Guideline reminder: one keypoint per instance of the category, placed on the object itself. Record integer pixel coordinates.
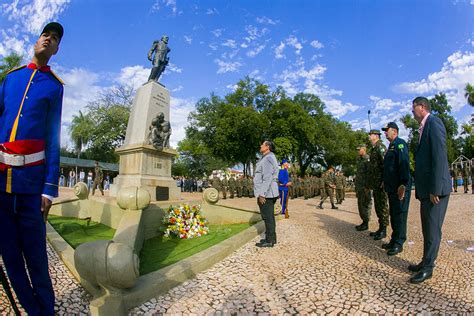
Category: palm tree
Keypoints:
(9, 62)
(469, 94)
(81, 132)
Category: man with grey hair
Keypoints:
(432, 184)
(266, 190)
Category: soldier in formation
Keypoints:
(340, 185)
(466, 172)
(454, 175)
(232, 186)
(376, 153)
(364, 201)
(216, 183)
(225, 185)
(239, 186)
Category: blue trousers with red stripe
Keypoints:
(23, 241)
(283, 199)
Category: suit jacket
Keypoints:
(266, 177)
(431, 161)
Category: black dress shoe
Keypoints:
(387, 246)
(415, 267)
(265, 244)
(372, 234)
(262, 240)
(394, 250)
(421, 276)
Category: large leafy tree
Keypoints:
(9, 62)
(81, 129)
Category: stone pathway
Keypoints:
(320, 265)
(71, 298)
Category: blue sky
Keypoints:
(355, 55)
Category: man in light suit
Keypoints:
(265, 187)
(433, 185)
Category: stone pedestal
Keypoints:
(141, 164)
(145, 167)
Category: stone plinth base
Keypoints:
(143, 166)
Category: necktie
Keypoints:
(420, 131)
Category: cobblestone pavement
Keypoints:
(320, 265)
(71, 298)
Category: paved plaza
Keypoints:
(320, 264)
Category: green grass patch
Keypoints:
(78, 231)
(159, 252)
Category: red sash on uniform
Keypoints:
(23, 147)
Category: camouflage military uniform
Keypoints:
(322, 190)
(250, 188)
(376, 154)
(454, 175)
(232, 185)
(307, 188)
(239, 186)
(339, 188)
(216, 184)
(225, 186)
(329, 185)
(364, 201)
(465, 177)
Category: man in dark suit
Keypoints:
(433, 185)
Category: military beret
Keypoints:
(361, 146)
(390, 125)
(374, 131)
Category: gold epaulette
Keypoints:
(15, 69)
(57, 78)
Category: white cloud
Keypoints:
(293, 41)
(179, 112)
(82, 86)
(232, 87)
(173, 68)
(384, 104)
(456, 71)
(316, 44)
(279, 51)
(212, 11)
(12, 44)
(188, 39)
(178, 88)
(256, 75)
(254, 33)
(254, 52)
(265, 20)
(290, 41)
(217, 32)
(167, 3)
(230, 43)
(227, 66)
(133, 76)
(34, 15)
(213, 46)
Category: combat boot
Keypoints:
(373, 234)
(320, 206)
(381, 234)
(334, 207)
(362, 227)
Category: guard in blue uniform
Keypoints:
(397, 184)
(284, 181)
(30, 121)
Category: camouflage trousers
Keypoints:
(322, 192)
(239, 192)
(381, 206)
(339, 195)
(364, 203)
(329, 192)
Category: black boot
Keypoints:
(381, 234)
(373, 234)
(362, 227)
(334, 207)
(320, 206)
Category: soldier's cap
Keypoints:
(374, 131)
(390, 125)
(361, 146)
(54, 26)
